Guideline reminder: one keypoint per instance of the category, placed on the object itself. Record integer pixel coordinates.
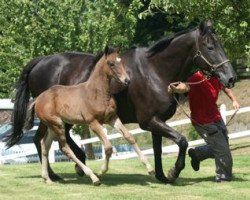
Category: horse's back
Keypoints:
(65, 68)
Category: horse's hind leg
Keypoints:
(129, 137)
(45, 146)
(59, 132)
(80, 154)
(98, 129)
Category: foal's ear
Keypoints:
(117, 50)
(106, 50)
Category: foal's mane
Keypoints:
(164, 43)
(109, 50)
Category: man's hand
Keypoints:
(236, 105)
(178, 87)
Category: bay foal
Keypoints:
(87, 103)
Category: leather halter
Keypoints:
(198, 53)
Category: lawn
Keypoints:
(126, 179)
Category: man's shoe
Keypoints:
(221, 179)
(195, 163)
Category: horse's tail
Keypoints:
(21, 102)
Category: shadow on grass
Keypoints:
(192, 181)
(109, 179)
(239, 146)
(133, 179)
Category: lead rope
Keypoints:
(183, 110)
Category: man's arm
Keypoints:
(231, 95)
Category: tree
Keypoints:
(42, 27)
(231, 20)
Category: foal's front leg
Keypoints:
(131, 140)
(98, 129)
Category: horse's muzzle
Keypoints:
(231, 82)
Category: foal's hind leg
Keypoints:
(59, 132)
(98, 129)
(45, 146)
(40, 133)
(129, 137)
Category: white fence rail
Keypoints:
(30, 150)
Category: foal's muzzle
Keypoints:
(126, 81)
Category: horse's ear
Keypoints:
(209, 23)
(202, 26)
(205, 26)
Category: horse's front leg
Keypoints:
(159, 129)
(98, 129)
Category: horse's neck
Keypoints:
(175, 59)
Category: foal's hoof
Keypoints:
(47, 181)
(55, 177)
(151, 173)
(79, 171)
(97, 183)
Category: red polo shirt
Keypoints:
(202, 99)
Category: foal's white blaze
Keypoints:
(118, 59)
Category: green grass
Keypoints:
(126, 179)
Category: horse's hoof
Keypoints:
(97, 183)
(79, 171)
(172, 175)
(162, 179)
(151, 173)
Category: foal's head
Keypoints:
(114, 66)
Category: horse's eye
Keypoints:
(210, 47)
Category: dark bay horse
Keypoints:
(146, 100)
(88, 103)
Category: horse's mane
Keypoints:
(163, 43)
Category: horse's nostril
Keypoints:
(231, 80)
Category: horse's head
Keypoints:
(115, 66)
(210, 56)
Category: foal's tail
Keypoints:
(21, 102)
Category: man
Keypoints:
(206, 118)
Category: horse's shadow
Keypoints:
(134, 179)
(108, 179)
(111, 179)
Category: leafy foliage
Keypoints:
(33, 28)
(231, 19)
(30, 28)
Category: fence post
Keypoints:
(103, 150)
(223, 112)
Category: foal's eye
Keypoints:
(111, 64)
